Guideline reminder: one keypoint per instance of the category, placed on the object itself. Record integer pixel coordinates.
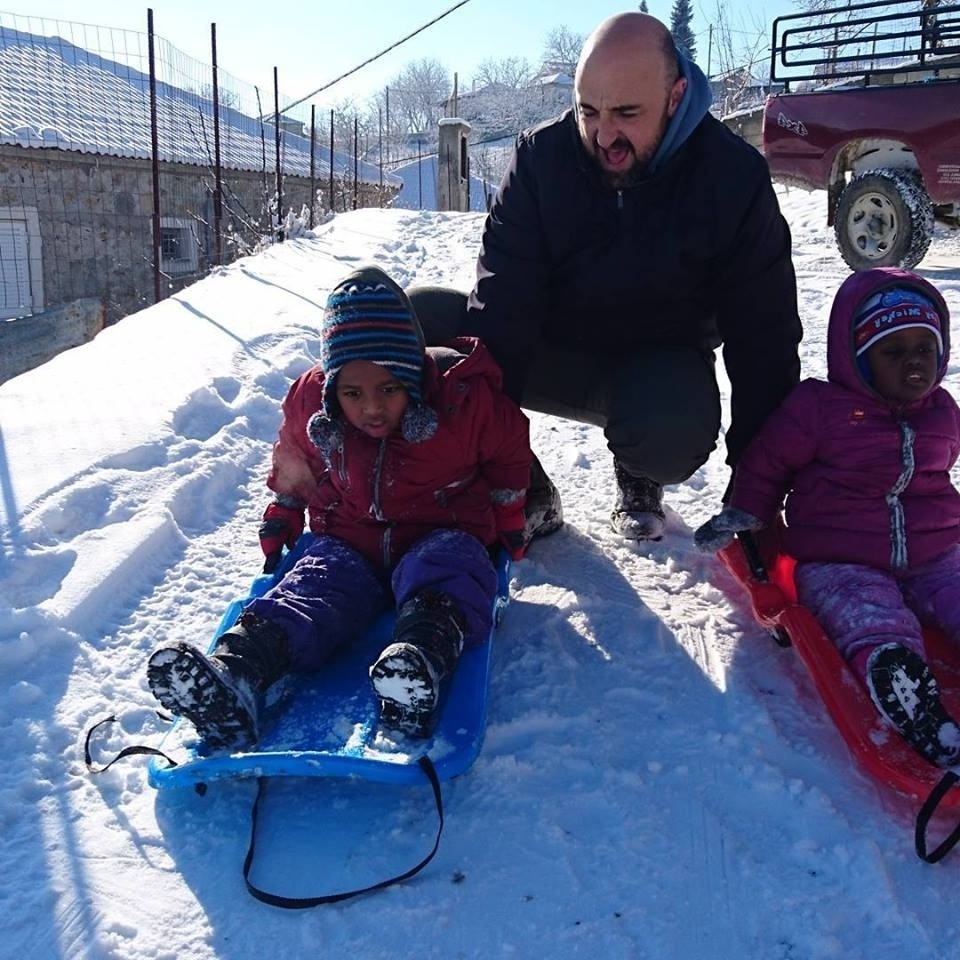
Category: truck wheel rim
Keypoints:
(872, 226)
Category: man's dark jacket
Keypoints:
(694, 254)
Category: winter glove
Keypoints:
(513, 543)
(510, 523)
(281, 526)
(720, 530)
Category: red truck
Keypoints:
(870, 112)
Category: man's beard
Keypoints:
(636, 171)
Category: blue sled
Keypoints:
(327, 723)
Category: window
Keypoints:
(178, 246)
(21, 266)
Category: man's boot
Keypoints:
(638, 508)
(219, 694)
(427, 641)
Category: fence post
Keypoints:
(155, 159)
(276, 140)
(313, 161)
(217, 169)
(331, 161)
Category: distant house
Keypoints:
(556, 90)
(739, 89)
(78, 208)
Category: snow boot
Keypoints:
(906, 694)
(543, 512)
(219, 693)
(638, 508)
(406, 678)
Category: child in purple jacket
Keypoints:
(872, 517)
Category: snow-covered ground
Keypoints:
(659, 780)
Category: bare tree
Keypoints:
(737, 58)
(509, 73)
(561, 50)
(417, 95)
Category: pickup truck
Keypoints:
(869, 110)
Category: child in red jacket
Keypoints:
(412, 466)
(873, 521)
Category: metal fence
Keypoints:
(129, 169)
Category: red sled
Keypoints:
(875, 745)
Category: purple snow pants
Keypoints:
(861, 607)
(333, 594)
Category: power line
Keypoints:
(377, 56)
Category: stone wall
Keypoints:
(28, 342)
(95, 223)
(749, 125)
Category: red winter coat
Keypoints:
(381, 496)
(840, 449)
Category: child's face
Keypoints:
(371, 398)
(903, 365)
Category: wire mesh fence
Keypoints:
(129, 169)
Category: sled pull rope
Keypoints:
(125, 752)
(923, 820)
(755, 561)
(300, 903)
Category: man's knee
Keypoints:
(664, 415)
(662, 446)
(442, 312)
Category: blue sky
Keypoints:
(312, 43)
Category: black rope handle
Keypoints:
(752, 552)
(923, 821)
(300, 903)
(130, 751)
(755, 561)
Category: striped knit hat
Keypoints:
(368, 317)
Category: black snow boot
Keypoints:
(543, 512)
(427, 640)
(638, 508)
(907, 695)
(220, 693)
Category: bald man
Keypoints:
(630, 238)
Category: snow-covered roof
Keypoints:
(419, 189)
(554, 79)
(55, 94)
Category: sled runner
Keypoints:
(877, 747)
(324, 725)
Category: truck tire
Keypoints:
(883, 218)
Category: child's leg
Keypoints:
(860, 609)
(932, 590)
(455, 564)
(863, 611)
(444, 587)
(330, 597)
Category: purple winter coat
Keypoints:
(837, 450)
